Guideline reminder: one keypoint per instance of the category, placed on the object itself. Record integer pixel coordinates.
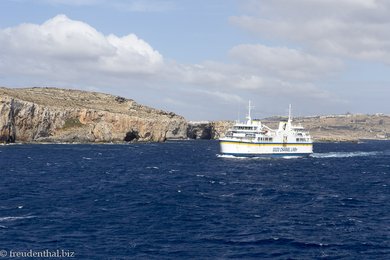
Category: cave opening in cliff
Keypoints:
(131, 135)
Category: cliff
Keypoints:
(63, 115)
(322, 128)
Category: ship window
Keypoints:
(265, 139)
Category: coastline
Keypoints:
(66, 116)
(329, 140)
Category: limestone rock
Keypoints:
(199, 130)
(61, 115)
(208, 130)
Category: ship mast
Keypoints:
(289, 112)
(249, 113)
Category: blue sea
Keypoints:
(182, 200)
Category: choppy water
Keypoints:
(182, 200)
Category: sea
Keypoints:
(183, 200)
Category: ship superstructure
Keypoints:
(252, 138)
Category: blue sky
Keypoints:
(205, 59)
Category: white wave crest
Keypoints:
(6, 219)
(229, 156)
(343, 154)
(291, 157)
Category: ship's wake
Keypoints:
(345, 154)
(228, 156)
(314, 155)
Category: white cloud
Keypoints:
(61, 44)
(132, 54)
(229, 81)
(215, 75)
(285, 62)
(220, 95)
(349, 28)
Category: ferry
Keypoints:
(254, 139)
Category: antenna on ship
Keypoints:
(289, 112)
(238, 114)
(249, 113)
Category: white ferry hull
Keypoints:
(239, 148)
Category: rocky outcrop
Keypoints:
(199, 130)
(60, 115)
(207, 129)
(219, 128)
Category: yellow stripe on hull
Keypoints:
(267, 144)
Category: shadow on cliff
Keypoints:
(131, 136)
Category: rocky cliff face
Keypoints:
(208, 130)
(199, 130)
(59, 115)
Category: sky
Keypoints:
(205, 60)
